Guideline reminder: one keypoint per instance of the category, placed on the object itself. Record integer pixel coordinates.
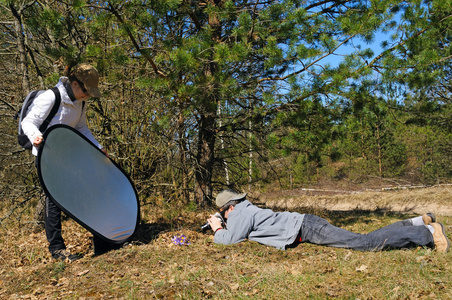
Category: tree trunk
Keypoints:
(250, 166)
(23, 67)
(183, 158)
(23, 64)
(205, 159)
(207, 122)
(380, 163)
(39, 214)
(226, 170)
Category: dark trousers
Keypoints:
(52, 221)
(53, 226)
(55, 239)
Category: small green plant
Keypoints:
(192, 206)
(58, 269)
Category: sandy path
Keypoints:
(436, 199)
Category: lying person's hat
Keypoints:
(89, 76)
(228, 195)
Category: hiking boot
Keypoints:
(63, 254)
(429, 218)
(101, 247)
(442, 244)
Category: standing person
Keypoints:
(284, 230)
(81, 83)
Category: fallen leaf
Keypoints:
(83, 273)
(347, 256)
(362, 268)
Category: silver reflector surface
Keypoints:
(87, 185)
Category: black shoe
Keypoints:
(101, 246)
(63, 254)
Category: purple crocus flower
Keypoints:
(182, 240)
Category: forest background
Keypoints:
(253, 95)
(273, 98)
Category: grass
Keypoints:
(152, 267)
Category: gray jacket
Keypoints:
(247, 221)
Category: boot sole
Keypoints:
(432, 216)
(445, 236)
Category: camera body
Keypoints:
(207, 225)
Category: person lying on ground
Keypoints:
(283, 230)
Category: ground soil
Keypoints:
(152, 266)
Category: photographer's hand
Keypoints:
(215, 223)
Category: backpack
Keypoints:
(22, 113)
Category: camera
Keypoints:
(207, 225)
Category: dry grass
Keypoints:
(153, 267)
(436, 199)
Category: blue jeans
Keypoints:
(399, 235)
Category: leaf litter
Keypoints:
(156, 265)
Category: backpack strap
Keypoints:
(24, 108)
(54, 110)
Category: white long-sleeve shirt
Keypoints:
(71, 113)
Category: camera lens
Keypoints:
(205, 226)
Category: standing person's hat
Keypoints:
(89, 76)
(228, 195)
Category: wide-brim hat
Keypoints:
(89, 76)
(228, 195)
